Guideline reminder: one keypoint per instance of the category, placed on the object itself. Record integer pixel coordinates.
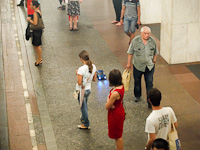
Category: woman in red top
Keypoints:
(30, 11)
(114, 105)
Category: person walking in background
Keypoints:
(85, 75)
(142, 53)
(158, 123)
(131, 14)
(62, 6)
(37, 34)
(73, 12)
(117, 6)
(160, 144)
(114, 105)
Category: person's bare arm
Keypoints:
(139, 14)
(129, 61)
(122, 13)
(152, 137)
(94, 77)
(79, 79)
(111, 100)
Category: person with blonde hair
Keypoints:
(85, 75)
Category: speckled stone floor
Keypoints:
(56, 113)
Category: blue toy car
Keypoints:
(101, 75)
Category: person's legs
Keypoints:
(118, 10)
(137, 82)
(148, 76)
(75, 23)
(115, 7)
(133, 22)
(119, 143)
(126, 26)
(84, 109)
(38, 53)
(70, 22)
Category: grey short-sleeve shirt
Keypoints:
(131, 8)
(143, 54)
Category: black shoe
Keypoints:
(20, 4)
(137, 99)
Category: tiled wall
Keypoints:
(180, 31)
(150, 11)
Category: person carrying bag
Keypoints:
(85, 75)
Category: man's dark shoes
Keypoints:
(20, 4)
(137, 99)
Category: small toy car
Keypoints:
(101, 75)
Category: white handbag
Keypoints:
(174, 142)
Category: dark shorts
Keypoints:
(37, 34)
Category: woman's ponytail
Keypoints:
(85, 56)
(89, 63)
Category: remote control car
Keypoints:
(101, 75)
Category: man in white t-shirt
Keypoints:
(158, 123)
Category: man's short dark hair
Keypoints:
(115, 78)
(160, 144)
(155, 96)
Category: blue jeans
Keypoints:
(129, 24)
(148, 76)
(84, 109)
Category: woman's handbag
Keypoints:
(126, 78)
(40, 24)
(28, 33)
(174, 142)
(75, 94)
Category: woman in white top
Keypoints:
(85, 75)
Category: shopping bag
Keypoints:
(126, 78)
(174, 142)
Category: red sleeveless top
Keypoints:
(116, 116)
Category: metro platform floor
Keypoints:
(50, 114)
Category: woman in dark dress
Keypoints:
(37, 34)
(73, 12)
(114, 105)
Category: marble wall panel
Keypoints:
(150, 11)
(166, 42)
(179, 43)
(199, 11)
(193, 47)
(166, 11)
(185, 11)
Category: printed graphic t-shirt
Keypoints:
(159, 122)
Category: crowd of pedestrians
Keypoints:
(142, 53)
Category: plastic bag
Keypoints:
(126, 78)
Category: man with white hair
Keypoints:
(142, 53)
